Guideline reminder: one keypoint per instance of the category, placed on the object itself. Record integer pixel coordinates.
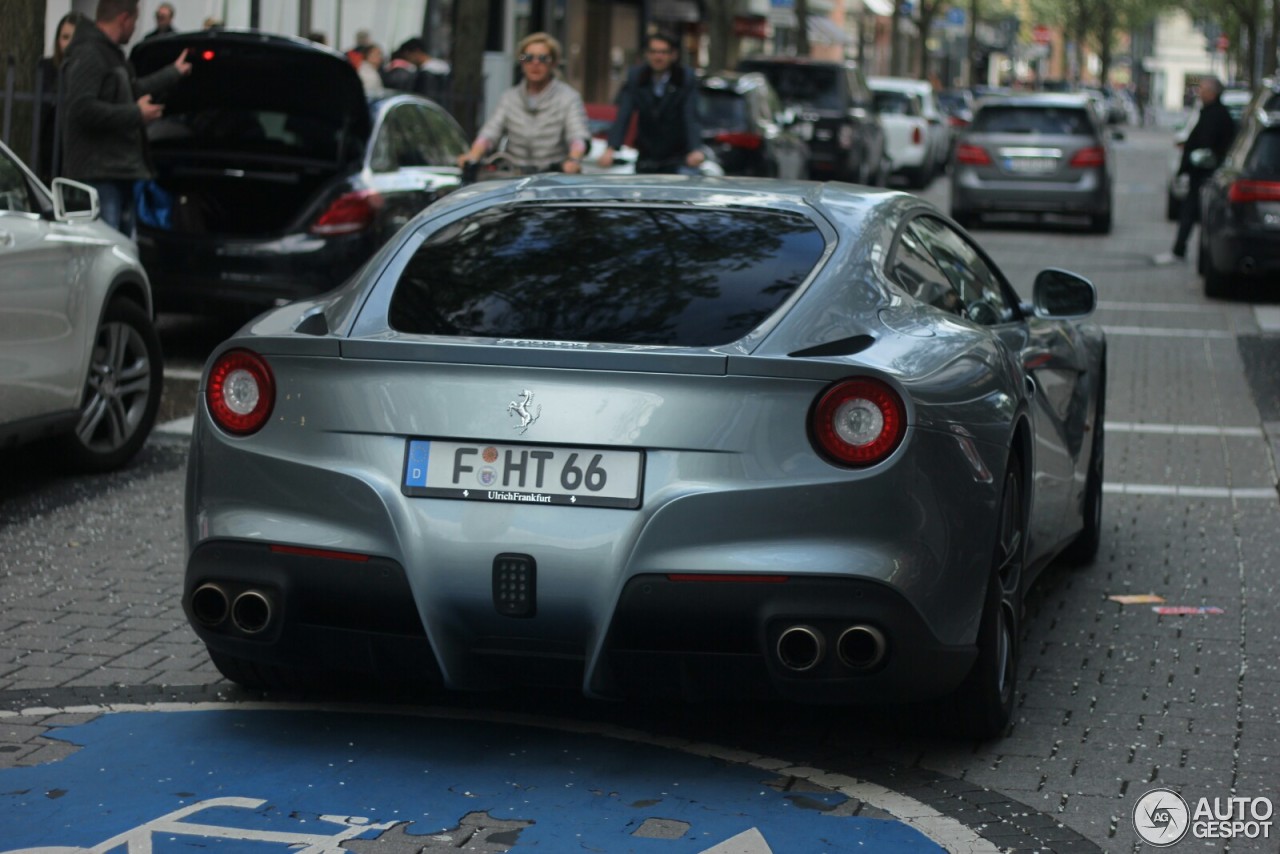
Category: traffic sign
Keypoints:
(285, 779)
(1041, 34)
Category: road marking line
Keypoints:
(178, 426)
(1183, 429)
(1158, 332)
(950, 833)
(1171, 308)
(189, 374)
(1267, 493)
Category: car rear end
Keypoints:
(258, 197)
(821, 100)
(1245, 240)
(545, 453)
(906, 131)
(1032, 156)
(728, 128)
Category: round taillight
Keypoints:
(241, 392)
(858, 422)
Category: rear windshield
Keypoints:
(813, 86)
(644, 275)
(895, 104)
(720, 110)
(1067, 121)
(1264, 157)
(235, 131)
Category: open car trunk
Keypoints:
(250, 140)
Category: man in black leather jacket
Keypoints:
(1204, 150)
(663, 94)
(104, 141)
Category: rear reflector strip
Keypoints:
(321, 553)
(731, 579)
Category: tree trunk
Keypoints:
(802, 28)
(719, 33)
(1270, 64)
(22, 38)
(1106, 35)
(895, 41)
(470, 32)
(973, 42)
(927, 13)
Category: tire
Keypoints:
(122, 390)
(984, 701)
(1215, 280)
(1101, 224)
(917, 177)
(1084, 548)
(964, 219)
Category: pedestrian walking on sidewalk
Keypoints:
(104, 140)
(663, 94)
(1203, 152)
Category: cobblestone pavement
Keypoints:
(1113, 699)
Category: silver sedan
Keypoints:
(651, 436)
(79, 356)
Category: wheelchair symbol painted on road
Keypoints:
(325, 782)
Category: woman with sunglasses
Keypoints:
(542, 117)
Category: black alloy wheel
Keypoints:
(984, 701)
(1085, 547)
(122, 390)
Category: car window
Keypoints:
(447, 141)
(896, 103)
(719, 110)
(1033, 120)
(1264, 158)
(15, 192)
(913, 267)
(642, 275)
(402, 141)
(982, 299)
(813, 86)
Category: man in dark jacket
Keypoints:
(104, 141)
(164, 22)
(663, 94)
(1204, 150)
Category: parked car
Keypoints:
(79, 356)
(919, 140)
(647, 436)
(1040, 153)
(835, 113)
(743, 123)
(1176, 186)
(282, 177)
(1240, 204)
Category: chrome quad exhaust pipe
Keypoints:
(861, 647)
(800, 648)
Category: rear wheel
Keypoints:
(964, 219)
(1101, 224)
(984, 701)
(122, 391)
(1085, 547)
(1215, 280)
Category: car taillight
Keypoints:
(1089, 157)
(858, 422)
(916, 136)
(241, 392)
(745, 141)
(349, 213)
(972, 155)
(1253, 191)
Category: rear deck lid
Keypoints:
(286, 91)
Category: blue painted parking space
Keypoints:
(326, 782)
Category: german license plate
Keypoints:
(525, 474)
(1030, 165)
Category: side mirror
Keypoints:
(73, 201)
(1063, 294)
